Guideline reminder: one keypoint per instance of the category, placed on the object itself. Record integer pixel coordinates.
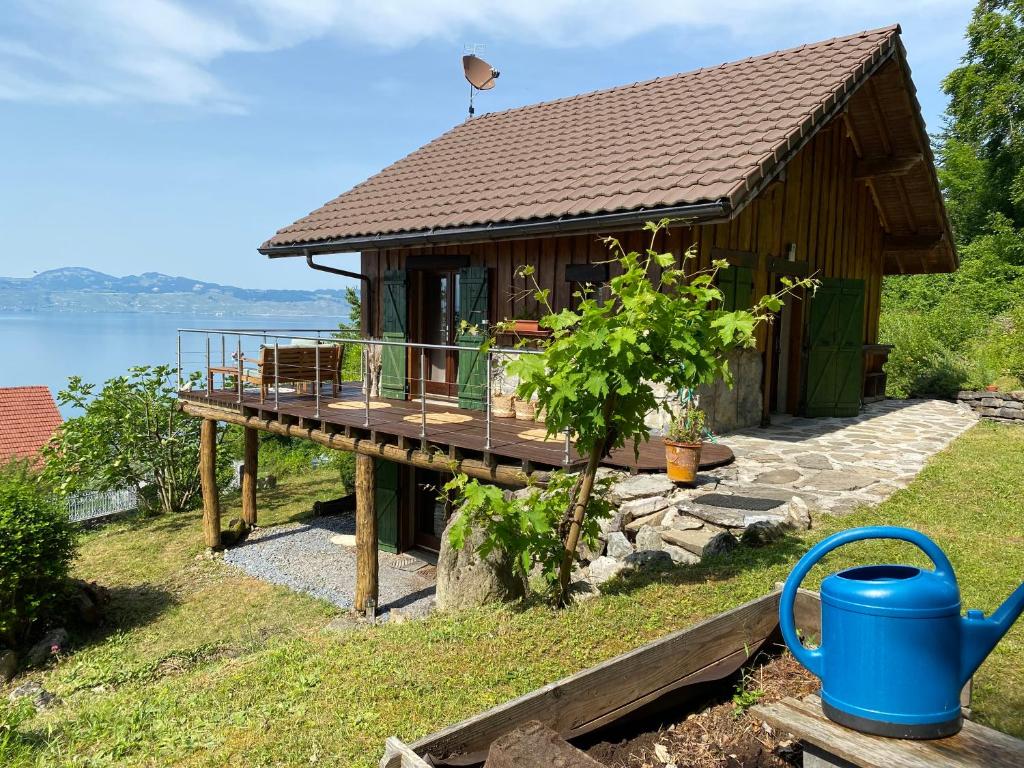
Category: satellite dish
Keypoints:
(480, 74)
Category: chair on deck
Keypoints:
(295, 365)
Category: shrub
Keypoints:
(920, 364)
(36, 546)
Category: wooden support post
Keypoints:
(250, 466)
(208, 481)
(366, 532)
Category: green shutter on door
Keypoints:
(834, 349)
(393, 358)
(386, 500)
(473, 300)
(737, 287)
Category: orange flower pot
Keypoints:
(682, 460)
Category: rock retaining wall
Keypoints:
(1004, 406)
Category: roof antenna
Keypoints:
(479, 73)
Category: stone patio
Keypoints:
(837, 464)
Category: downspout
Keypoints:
(364, 292)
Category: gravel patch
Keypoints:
(301, 556)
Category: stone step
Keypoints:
(708, 540)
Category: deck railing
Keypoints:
(262, 360)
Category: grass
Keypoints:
(205, 667)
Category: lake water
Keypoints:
(47, 348)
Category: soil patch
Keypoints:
(724, 734)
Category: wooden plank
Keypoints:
(208, 482)
(619, 685)
(887, 166)
(975, 746)
(398, 755)
(367, 571)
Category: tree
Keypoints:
(982, 147)
(659, 324)
(131, 434)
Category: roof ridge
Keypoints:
(890, 29)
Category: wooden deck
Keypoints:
(451, 430)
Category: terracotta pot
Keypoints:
(991, 388)
(682, 460)
(503, 406)
(526, 410)
(527, 326)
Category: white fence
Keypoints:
(93, 504)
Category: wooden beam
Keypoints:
(501, 474)
(250, 466)
(898, 244)
(887, 166)
(366, 533)
(208, 482)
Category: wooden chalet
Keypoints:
(810, 161)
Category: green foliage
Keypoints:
(37, 542)
(920, 364)
(355, 307)
(529, 525)
(688, 426)
(131, 434)
(12, 715)
(747, 693)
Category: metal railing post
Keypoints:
(366, 385)
(277, 375)
(565, 458)
(239, 352)
(179, 363)
(423, 398)
(209, 376)
(316, 360)
(487, 438)
(224, 349)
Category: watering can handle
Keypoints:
(812, 658)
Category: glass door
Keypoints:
(437, 323)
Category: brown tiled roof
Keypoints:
(708, 135)
(28, 419)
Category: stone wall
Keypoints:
(1003, 406)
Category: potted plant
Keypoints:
(682, 444)
(502, 406)
(526, 409)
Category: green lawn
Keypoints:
(208, 667)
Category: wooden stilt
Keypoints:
(208, 480)
(250, 466)
(366, 532)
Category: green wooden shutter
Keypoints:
(386, 499)
(737, 287)
(395, 315)
(473, 301)
(834, 349)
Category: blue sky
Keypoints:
(175, 136)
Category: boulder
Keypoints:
(465, 580)
(652, 520)
(8, 665)
(51, 644)
(582, 590)
(603, 569)
(721, 544)
(679, 555)
(648, 538)
(649, 558)
(761, 534)
(673, 519)
(611, 524)
(640, 486)
(644, 506)
(618, 545)
(702, 542)
(587, 553)
(40, 697)
(797, 514)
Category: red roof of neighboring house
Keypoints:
(28, 419)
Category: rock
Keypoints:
(797, 514)
(644, 506)
(779, 477)
(648, 538)
(465, 580)
(761, 534)
(611, 524)
(640, 486)
(839, 481)
(649, 558)
(618, 545)
(8, 665)
(724, 517)
(603, 569)
(702, 542)
(534, 745)
(51, 644)
(679, 555)
(652, 520)
(587, 553)
(582, 590)
(682, 522)
(235, 533)
(40, 697)
(813, 461)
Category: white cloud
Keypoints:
(164, 51)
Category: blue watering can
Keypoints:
(894, 650)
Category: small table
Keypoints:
(830, 745)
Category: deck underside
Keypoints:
(451, 430)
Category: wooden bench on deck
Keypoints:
(295, 365)
(828, 744)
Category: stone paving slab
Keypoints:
(836, 464)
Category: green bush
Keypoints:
(37, 542)
(920, 364)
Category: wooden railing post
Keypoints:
(366, 532)
(250, 466)
(208, 481)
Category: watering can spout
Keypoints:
(980, 635)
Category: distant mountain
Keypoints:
(77, 289)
